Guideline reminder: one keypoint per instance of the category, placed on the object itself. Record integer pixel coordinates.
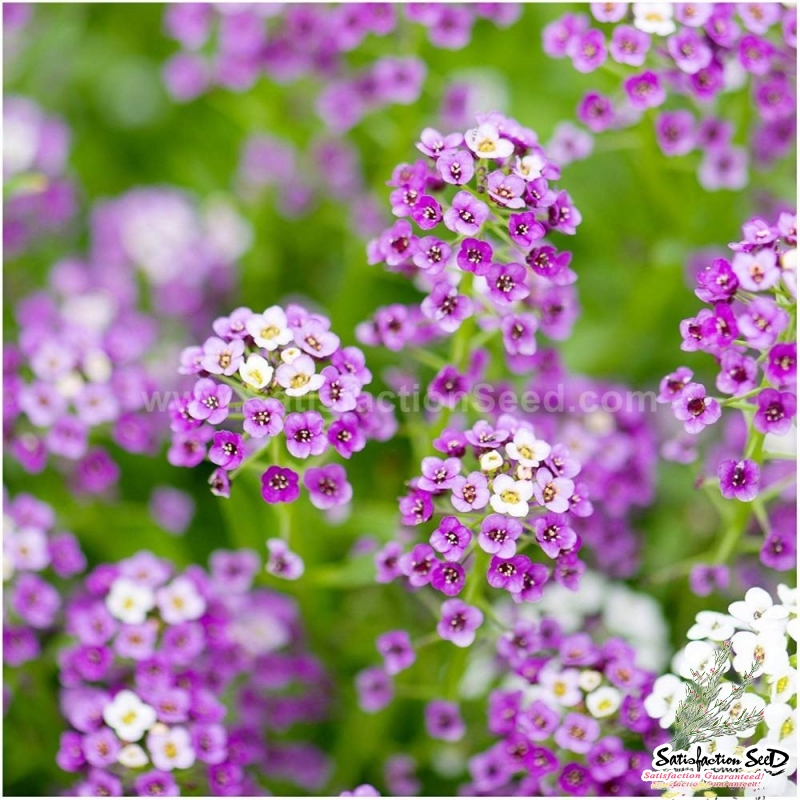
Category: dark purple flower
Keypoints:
(227, 450)
(459, 622)
(346, 436)
(448, 578)
(775, 411)
(327, 486)
(156, 783)
(737, 373)
(506, 573)
(397, 652)
(554, 534)
(695, 409)
(781, 366)
(280, 485)
(427, 212)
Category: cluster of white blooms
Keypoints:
(760, 631)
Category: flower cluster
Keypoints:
(267, 370)
(180, 680)
(39, 198)
(39, 565)
(695, 51)
(565, 695)
(759, 632)
(748, 326)
(473, 217)
(234, 47)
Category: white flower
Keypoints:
(271, 329)
(603, 701)
(560, 685)
(128, 716)
(256, 371)
(69, 386)
(654, 18)
(793, 627)
(485, 142)
(180, 601)
(527, 449)
(589, 680)
(290, 354)
(668, 691)
(697, 656)
(129, 601)
(781, 726)
(258, 632)
(132, 756)
(788, 598)
(491, 461)
(747, 703)
(783, 685)
(27, 549)
(171, 750)
(767, 647)
(711, 625)
(298, 378)
(530, 167)
(758, 612)
(510, 496)
(773, 786)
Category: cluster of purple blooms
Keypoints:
(696, 52)
(473, 217)
(497, 491)
(233, 46)
(39, 561)
(268, 370)
(569, 715)
(748, 326)
(76, 377)
(39, 199)
(172, 680)
(329, 169)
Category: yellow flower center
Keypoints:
(509, 496)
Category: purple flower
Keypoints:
(418, 565)
(432, 143)
(328, 486)
(551, 492)
(596, 112)
(282, 562)
(466, 214)
(506, 573)
(506, 190)
(577, 733)
(456, 167)
(673, 385)
(554, 534)
(558, 34)
(445, 306)
(780, 546)
(416, 507)
(775, 411)
(280, 485)
(427, 212)
(576, 781)
(387, 563)
(451, 538)
(757, 271)
(706, 578)
(397, 652)
(221, 357)
(470, 493)
(67, 438)
(568, 570)
(448, 578)
(263, 417)
(439, 475)
(755, 54)
(227, 450)
(690, 51)
(645, 91)
(675, 132)
(539, 721)
(587, 50)
(762, 322)
(314, 338)
(305, 434)
(695, 409)
(737, 373)
(524, 230)
(35, 600)
(724, 168)
(781, 366)
(443, 721)
(533, 581)
(498, 535)
(374, 688)
(431, 256)
(629, 45)
(475, 256)
(346, 436)
(739, 479)
(507, 283)
(156, 783)
(459, 622)
(448, 387)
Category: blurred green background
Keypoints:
(98, 66)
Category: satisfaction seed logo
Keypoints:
(692, 760)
